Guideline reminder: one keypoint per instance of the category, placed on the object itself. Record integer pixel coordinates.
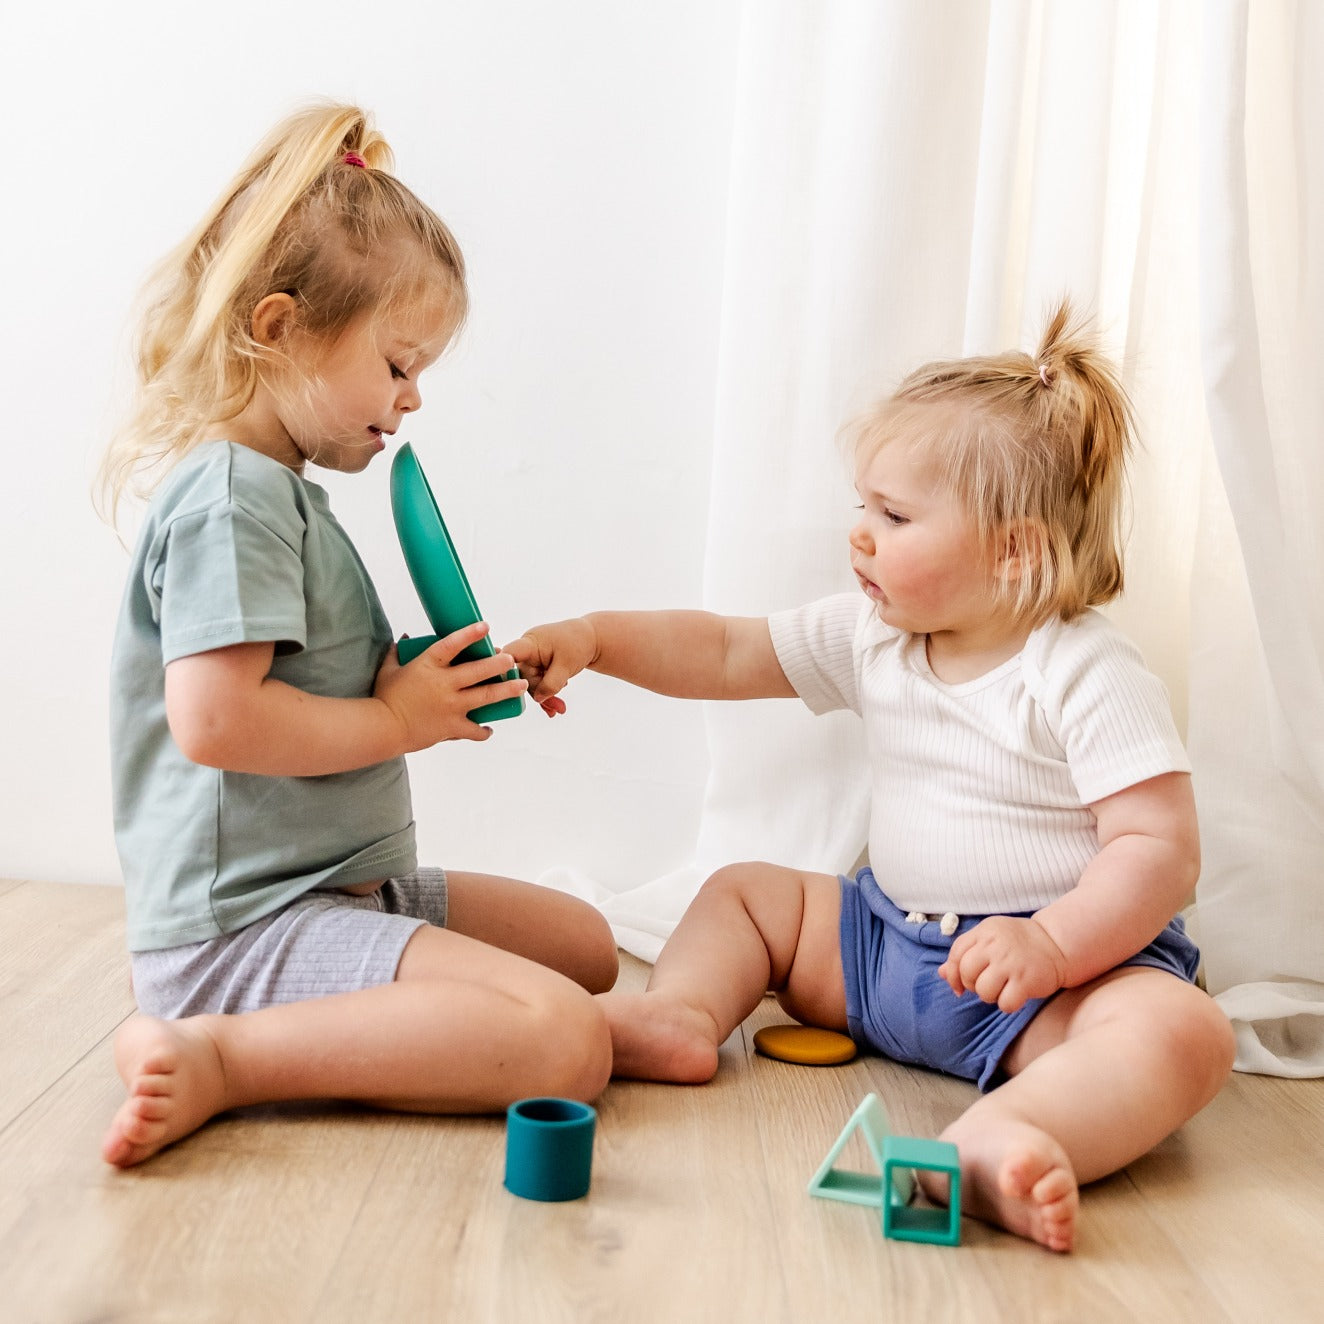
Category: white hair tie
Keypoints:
(1043, 373)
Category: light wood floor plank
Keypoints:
(244, 1221)
(1238, 1192)
(652, 1210)
(839, 1250)
(61, 949)
(698, 1211)
(834, 1254)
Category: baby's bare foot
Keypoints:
(175, 1081)
(655, 1037)
(1019, 1177)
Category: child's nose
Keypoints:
(408, 398)
(860, 540)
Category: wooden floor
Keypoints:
(698, 1209)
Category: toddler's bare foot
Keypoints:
(1017, 1176)
(656, 1037)
(175, 1081)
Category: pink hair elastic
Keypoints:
(354, 159)
(1043, 373)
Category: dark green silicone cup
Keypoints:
(549, 1148)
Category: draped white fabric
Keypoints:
(919, 179)
(1257, 666)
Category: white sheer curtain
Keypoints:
(915, 179)
(1257, 666)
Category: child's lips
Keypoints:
(870, 588)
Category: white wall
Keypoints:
(579, 150)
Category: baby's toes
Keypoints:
(1021, 1174)
(1056, 1186)
(141, 1122)
(151, 1107)
(1058, 1201)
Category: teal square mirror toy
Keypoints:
(439, 578)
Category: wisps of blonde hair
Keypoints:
(298, 218)
(1035, 446)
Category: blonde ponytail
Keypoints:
(299, 218)
(1035, 443)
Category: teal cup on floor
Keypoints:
(549, 1148)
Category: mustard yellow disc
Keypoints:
(804, 1044)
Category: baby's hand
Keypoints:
(431, 699)
(1006, 960)
(548, 655)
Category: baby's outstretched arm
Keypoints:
(1148, 861)
(227, 711)
(686, 654)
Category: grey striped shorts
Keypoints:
(322, 943)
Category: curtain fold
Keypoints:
(1257, 691)
(920, 179)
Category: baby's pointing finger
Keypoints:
(522, 649)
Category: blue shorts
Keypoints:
(897, 1004)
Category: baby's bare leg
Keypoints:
(464, 1028)
(753, 927)
(1099, 1077)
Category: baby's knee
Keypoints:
(1217, 1039)
(738, 879)
(1202, 1035)
(729, 878)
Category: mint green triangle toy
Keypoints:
(891, 1187)
(439, 578)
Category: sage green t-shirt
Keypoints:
(236, 548)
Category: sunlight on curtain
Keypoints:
(915, 180)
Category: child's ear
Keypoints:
(273, 319)
(1020, 549)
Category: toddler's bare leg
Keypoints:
(753, 927)
(550, 927)
(1099, 1077)
(464, 1028)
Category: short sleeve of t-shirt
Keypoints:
(1110, 712)
(222, 575)
(236, 548)
(815, 645)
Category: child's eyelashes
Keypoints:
(398, 373)
(894, 517)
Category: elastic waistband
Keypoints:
(929, 931)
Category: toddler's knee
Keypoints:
(575, 1036)
(603, 963)
(594, 1056)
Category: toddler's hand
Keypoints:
(1007, 960)
(548, 655)
(431, 699)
